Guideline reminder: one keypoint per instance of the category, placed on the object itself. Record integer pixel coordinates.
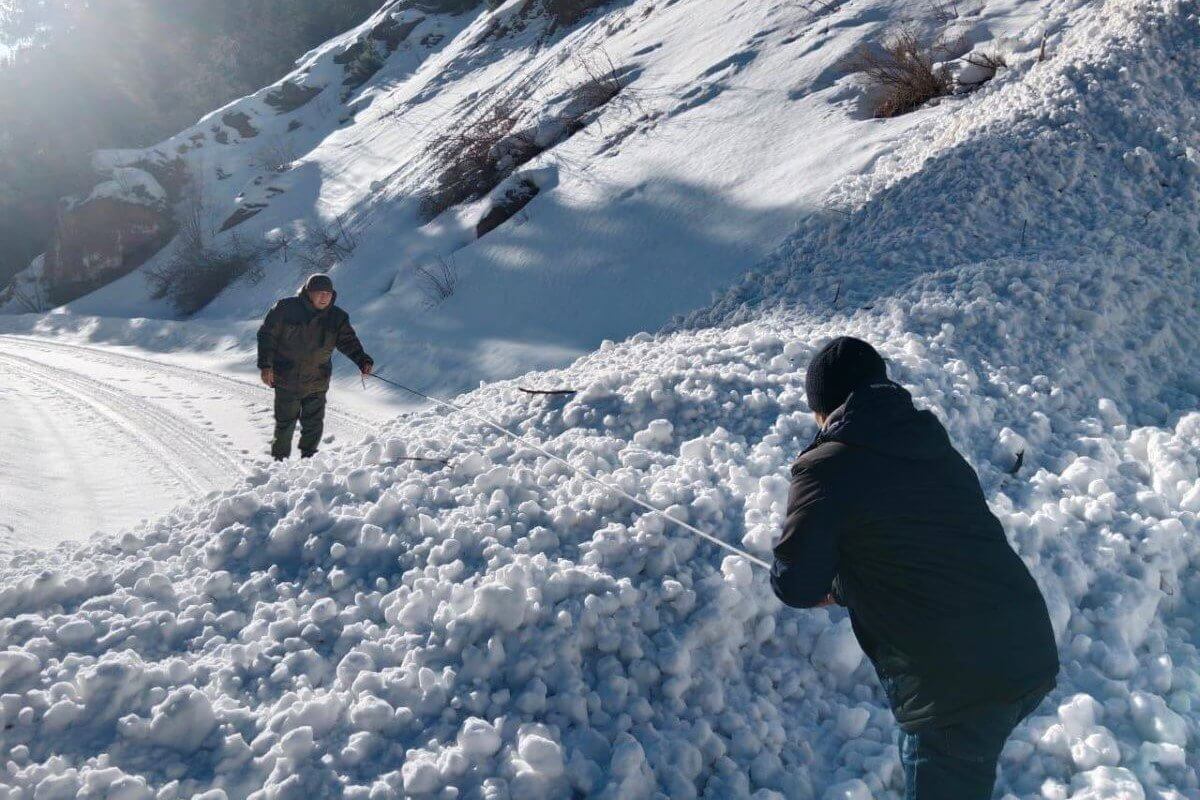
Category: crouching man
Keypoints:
(295, 345)
(888, 520)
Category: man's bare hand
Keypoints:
(828, 601)
(268, 377)
(367, 368)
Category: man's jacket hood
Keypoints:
(881, 417)
(303, 295)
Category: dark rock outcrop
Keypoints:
(171, 173)
(290, 96)
(242, 214)
(100, 239)
(240, 122)
(392, 31)
(506, 207)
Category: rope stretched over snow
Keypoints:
(579, 471)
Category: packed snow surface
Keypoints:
(363, 626)
(97, 439)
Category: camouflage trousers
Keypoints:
(309, 409)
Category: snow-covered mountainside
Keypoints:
(577, 170)
(363, 626)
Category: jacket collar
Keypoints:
(882, 417)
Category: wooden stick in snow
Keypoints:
(548, 391)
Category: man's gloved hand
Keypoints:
(268, 377)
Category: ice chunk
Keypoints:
(421, 774)
(1095, 749)
(1106, 783)
(541, 754)
(851, 722)
(478, 738)
(656, 436)
(837, 650)
(1155, 721)
(359, 481)
(853, 789)
(182, 721)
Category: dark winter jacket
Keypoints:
(890, 519)
(297, 341)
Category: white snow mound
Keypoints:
(364, 627)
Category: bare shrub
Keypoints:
(819, 8)
(943, 12)
(477, 156)
(324, 246)
(480, 154)
(903, 70)
(197, 271)
(437, 280)
(603, 84)
(277, 155)
(30, 297)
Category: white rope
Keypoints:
(583, 473)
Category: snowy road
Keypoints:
(95, 439)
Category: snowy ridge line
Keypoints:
(582, 472)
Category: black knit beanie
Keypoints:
(838, 368)
(318, 282)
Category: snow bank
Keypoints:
(360, 626)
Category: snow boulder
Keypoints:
(180, 722)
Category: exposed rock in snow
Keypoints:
(117, 227)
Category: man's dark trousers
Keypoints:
(289, 407)
(958, 762)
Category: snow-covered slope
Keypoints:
(365, 627)
(672, 146)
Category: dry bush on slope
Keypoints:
(904, 72)
(197, 271)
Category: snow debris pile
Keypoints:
(363, 626)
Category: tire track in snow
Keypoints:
(145, 426)
(361, 426)
(80, 508)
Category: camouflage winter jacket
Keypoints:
(297, 341)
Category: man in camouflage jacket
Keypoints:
(295, 345)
